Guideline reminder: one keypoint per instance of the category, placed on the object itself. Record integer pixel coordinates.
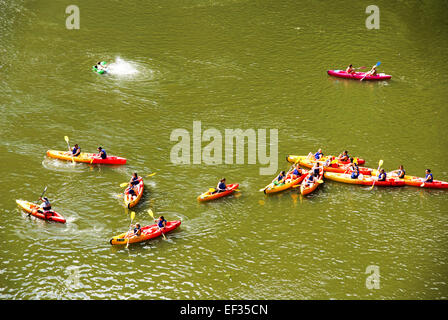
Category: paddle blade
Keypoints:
(45, 190)
(132, 215)
(151, 174)
(151, 213)
(380, 163)
(378, 63)
(66, 139)
(211, 190)
(124, 184)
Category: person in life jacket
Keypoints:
(137, 229)
(429, 177)
(102, 153)
(76, 151)
(382, 176)
(161, 223)
(280, 178)
(344, 156)
(135, 180)
(309, 179)
(400, 172)
(355, 170)
(221, 187)
(318, 155)
(372, 71)
(350, 69)
(294, 173)
(45, 207)
(132, 191)
(316, 169)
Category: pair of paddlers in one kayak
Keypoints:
(161, 224)
(76, 151)
(372, 71)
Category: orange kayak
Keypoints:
(148, 233)
(131, 201)
(206, 196)
(417, 181)
(32, 208)
(307, 188)
(273, 188)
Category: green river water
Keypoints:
(229, 64)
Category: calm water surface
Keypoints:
(229, 64)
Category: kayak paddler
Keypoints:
(294, 173)
(429, 177)
(134, 180)
(316, 169)
(382, 176)
(318, 155)
(280, 178)
(102, 153)
(76, 151)
(309, 179)
(137, 229)
(344, 156)
(132, 190)
(350, 69)
(400, 172)
(99, 66)
(355, 170)
(45, 207)
(161, 223)
(372, 71)
(221, 187)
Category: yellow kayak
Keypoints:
(92, 158)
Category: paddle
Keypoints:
(379, 165)
(377, 64)
(130, 226)
(152, 215)
(45, 190)
(68, 145)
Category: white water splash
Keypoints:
(122, 67)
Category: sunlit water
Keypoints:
(229, 64)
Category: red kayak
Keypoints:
(148, 232)
(389, 182)
(418, 182)
(358, 75)
(36, 211)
